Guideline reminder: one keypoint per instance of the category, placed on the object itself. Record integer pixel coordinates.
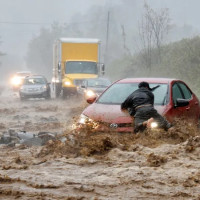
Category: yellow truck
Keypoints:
(75, 59)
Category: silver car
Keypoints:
(93, 86)
(35, 86)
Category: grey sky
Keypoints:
(21, 20)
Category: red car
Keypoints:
(173, 99)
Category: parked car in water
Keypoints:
(93, 87)
(18, 78)
(173, 99)
(35, 86)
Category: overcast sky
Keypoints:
(21, 20)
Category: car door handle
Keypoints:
(196, 103)
(188, 108)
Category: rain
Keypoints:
(58, 61)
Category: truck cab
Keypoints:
(75, 59)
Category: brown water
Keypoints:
(86, 165)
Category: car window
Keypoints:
(33, 81)
(98, 83)
(176, 92)
(118, 92)
(186, 91)
(161, 96)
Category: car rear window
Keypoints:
(118, 92)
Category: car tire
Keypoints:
(22, 98)
(198, 125)
(48, 96)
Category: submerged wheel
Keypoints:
(22, 98)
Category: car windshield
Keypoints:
(118, 92)
(79, 67)
(98, 83)
(34, 81)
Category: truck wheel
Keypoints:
(65, 94)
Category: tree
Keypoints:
(153, 28)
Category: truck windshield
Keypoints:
(81, 67)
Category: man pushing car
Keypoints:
(140, 105)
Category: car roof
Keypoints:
(99, 78)
(149, 80)
(35, 76)
(23, 72)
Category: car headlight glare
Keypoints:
(16, 81)
(90, 93)
(154, 124)
(83, 119)
(67, 83)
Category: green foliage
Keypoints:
(179, 60)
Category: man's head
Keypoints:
(144, 84)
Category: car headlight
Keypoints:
(84, 119)
(23, 88)
(90, 93)
(154, 124)
(68, 83)
(43, 88)
(86, 122)
(16, 81)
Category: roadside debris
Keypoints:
(12, 137)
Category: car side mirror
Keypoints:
(91, 100)
(102, 69)
(181, 102)
(59, 67)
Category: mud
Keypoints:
(90, 165)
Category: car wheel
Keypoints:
(48, 96)
(22, 98)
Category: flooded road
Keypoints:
(76, 166)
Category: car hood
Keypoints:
(111, 113)
(33, 86)
(97, 89)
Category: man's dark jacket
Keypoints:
(139, 97)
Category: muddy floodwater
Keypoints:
(87, 165)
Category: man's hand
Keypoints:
(149, 121)
(124, 110)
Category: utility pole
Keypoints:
(107, 37)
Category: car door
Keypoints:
(177, 111)
(193, 107)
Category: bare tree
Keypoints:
(127, 50)
(153, 28)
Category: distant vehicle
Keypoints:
(17, 79)
(35, 86)
(93, 86)
(75, 59)
(173, 99)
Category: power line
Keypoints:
(42, 23)
(32, 23)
